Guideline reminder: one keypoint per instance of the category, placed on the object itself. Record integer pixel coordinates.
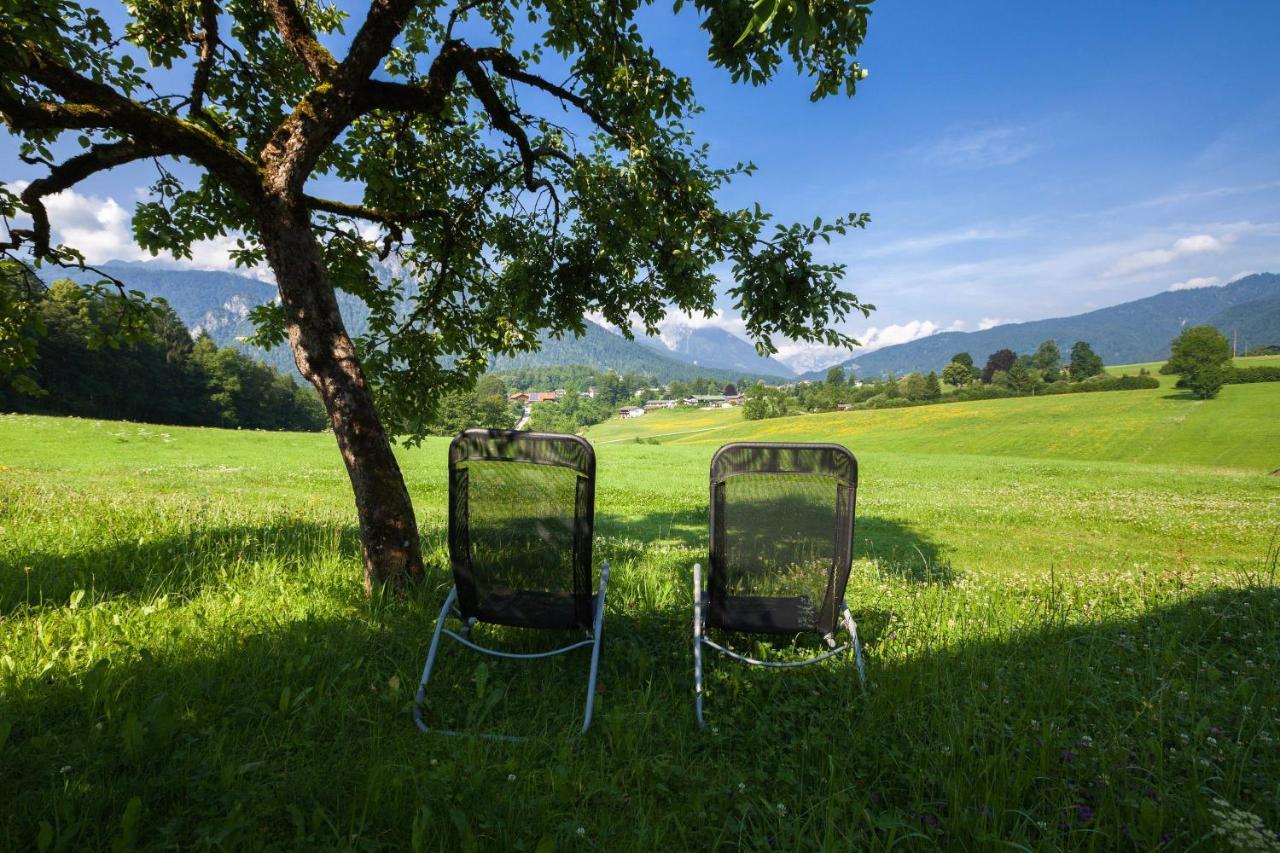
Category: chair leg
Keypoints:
(597, 632)
(421, 695)
(697, 642)
(852, 628)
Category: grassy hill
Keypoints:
(1133, 331)
(1238, 430)
(1070, 606)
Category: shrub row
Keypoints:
(1261, 373)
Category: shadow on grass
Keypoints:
(184, 564)
(175, 564)
(300, 734)
(895, 547)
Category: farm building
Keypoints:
(631, 412)
(523, 397)
(661, 404)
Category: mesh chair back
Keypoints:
(781, 536)
(521, 509)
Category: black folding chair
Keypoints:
(781, 548)
(521, 508)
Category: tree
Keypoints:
(956, 374)
(502, 223)
(1019, 378)
(730, 390)
(835, 376)
(764, 402)
(1000, 360)
(913, 387)
(1199, 354)
(932, 388)
(1084, 362)
(962, 358)
(1047, 359)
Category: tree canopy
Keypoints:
(1200, 354)
(1084, 362)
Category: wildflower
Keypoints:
(782, 809)
(1085, 742)
(582, 830)
(511, 777)
(1035, 725)
(742, 787)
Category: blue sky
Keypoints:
(1018, 160)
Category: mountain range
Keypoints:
(219, 303)
(1131, 332)
(1249, 308)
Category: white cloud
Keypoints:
(876, 337)
(991, 322)
(979, 149)
(100, 229)
(1196, 244)
(1193, 283)
(943, 239)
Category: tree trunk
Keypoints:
(326, 357)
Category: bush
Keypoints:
(1261, 373)
(1104, 382)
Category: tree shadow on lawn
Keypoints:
(1056, 735)
(895, 547)
(173, 564)
(184, 563)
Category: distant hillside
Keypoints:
(1136, 331)
(709, 346)
(205, 300)
(219, 303)
(1253, 323)
(602, 349)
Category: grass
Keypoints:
(1073, 638)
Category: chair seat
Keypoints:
(755, 614)
(531, 608)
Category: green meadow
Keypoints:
(1070, 607)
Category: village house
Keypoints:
(631, 412)
(661, 404)
(525, 397)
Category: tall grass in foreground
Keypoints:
(188, 661)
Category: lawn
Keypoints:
(1070, 603)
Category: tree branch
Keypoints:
(99, 158)
(427, 98)
(503, 120)
(209, 42)
(91, 104)
(300, 39)
(384, 21)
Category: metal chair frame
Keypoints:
(593, 639)
(452, 607)
(700, 638)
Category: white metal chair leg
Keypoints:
(595, 641)
(852, 628)
(597, 633)
(421, 695)
(697, 641)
